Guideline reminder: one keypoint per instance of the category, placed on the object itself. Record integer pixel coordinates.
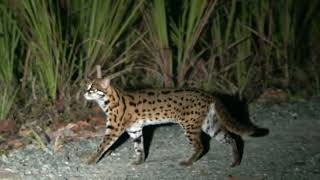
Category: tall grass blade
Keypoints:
(101, 24)
(9, 39)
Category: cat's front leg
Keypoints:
(111, 136)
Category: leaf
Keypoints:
(7, 125)
(58, 144)
(273, 96)
(24, 132)
(15, 143)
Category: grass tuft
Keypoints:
(9, 40)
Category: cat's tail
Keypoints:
(234, 126)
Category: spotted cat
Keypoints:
(193, 110)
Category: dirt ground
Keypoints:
(290, 151)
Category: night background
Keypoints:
(263, 53)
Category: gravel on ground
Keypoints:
(290, 151)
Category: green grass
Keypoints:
(43, 40)
(101, 25)
(233, 46)
(53, 53)
(171, 42)
(7, 100)
(9, 39)
(157, 41)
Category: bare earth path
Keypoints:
(290, 151)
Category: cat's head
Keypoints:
(97, 89)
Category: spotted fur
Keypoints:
(193, 110)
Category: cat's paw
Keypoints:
(87, 158)
(235, 163)
(138, 161)
(91, 160)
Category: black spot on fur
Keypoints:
(110, 127)
(137, 140)
(165, 92)
(106, 102)
(130, 96)
(217, 132)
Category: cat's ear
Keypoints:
(105, 82)
(88, 79)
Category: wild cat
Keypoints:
(193, 110)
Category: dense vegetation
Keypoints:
(48, 48)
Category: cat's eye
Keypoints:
(100, 93)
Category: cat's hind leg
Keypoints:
(136, 135)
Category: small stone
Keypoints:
(4, 158)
